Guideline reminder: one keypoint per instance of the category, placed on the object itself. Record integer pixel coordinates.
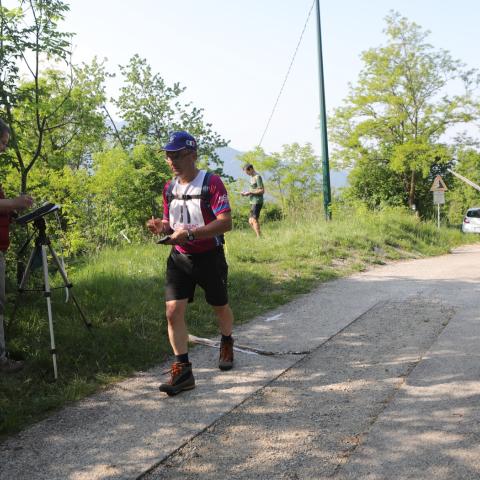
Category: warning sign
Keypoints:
(438, 185)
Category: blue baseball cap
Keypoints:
(179, 141)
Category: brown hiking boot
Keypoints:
(181, 378)
(225, 361)
(7, 365)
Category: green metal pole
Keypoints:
(327, 200)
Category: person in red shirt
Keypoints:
(7, 207)
(195, 229)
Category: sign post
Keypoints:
(438, 188)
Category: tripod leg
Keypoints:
(49, 310)
(68, 285)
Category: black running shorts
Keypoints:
(185, 271)
(255, 210)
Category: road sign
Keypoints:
(438, 185)
(438, 197)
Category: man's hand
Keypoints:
(246, 194)
(157, 226)
(178, 237)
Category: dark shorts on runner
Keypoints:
(255, 209)
(185, 271)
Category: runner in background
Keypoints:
(256, 197)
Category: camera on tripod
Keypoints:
(39, 212)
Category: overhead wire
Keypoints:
(287, 75)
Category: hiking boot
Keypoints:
(7, 365)
(225, 361)
(181, 378)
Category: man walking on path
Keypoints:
(256, 197)
(196, 214)
(7, 206)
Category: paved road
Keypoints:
(390, 389)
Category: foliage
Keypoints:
(127, 187)
(27, 37)
(151, 110)
(395, 118)
(75, 127)
(460, 195)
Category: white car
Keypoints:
(471, 221)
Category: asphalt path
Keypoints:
(389, 388)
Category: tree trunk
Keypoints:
(24, 175)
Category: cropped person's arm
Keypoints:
(18, 203)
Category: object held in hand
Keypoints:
(164, 239)
(41, 211)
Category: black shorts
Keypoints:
(255, 209)
(209, 270)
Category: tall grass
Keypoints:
(121, 291)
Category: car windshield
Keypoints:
(474, 213)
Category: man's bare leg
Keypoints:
(177, 328)
(255, 226)
(225, 319)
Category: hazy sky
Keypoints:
(232, 55)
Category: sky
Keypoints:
(232, 55)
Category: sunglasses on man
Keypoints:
(179, 154)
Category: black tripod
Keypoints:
(42, 244)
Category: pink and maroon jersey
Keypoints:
(193, 213)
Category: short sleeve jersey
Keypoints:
(194, 213)
(256, 182)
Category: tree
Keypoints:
(126, 190)
(460, 195)
(395, 118)
(26, 36)
(82, 126)
(51, 108)
(151, 110)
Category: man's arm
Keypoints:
(21, 202)
(222, 224)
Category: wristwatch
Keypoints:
(190, 236)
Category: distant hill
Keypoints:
(231, 166)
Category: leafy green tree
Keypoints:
(151, 109)
(127, 189)
(394, 119)
(76, 126)
(460, 195)
(29, 34)
(82, 127)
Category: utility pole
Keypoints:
(323, 123)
